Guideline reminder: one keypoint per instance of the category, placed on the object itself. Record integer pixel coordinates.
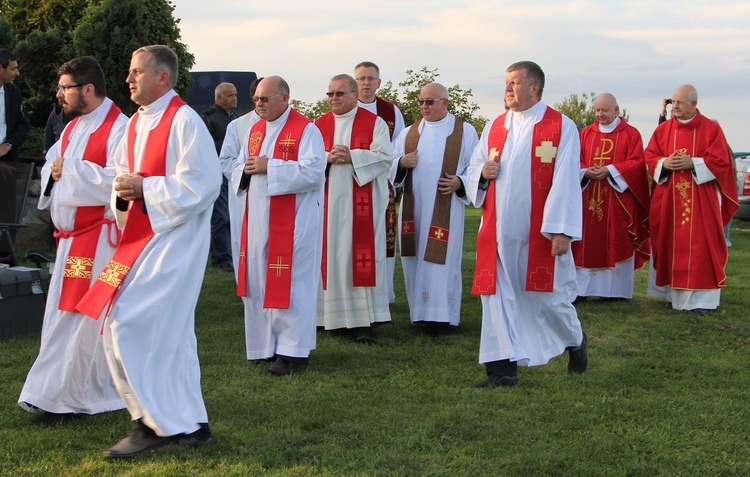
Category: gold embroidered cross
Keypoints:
(546, 152)
(278, 266)
(285, 145)
(439, 234)
(494, 153)
(78, 267)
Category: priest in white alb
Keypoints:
(70, 376)
(354, 293)
(280, 175)
(524, 175)
(168, 177)
(430, 162)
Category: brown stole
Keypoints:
(89, 220)
(437, 237)
(540, 271)
(363, 225)
(138, 232)
(281, 216)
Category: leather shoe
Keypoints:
(199, 438)
(281, 367)
(578, 358)
(139, 439)
(494, 381)
(363, 335)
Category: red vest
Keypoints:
(540, 271)
(137, 232)
(281, 216)
(89, 220)
(363, 225)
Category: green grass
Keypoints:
(666, 394)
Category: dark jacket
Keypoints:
(55, 124)
(15, 119)
(217, 119)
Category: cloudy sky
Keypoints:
(639, 50)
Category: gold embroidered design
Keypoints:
(683, 187)
(114, 273)
(78, 267)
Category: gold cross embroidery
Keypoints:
(494, 153)
(439, 234)
(285, 145)
(78, 267)
(546, 152)
(278, 266)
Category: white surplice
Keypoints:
(70, 375)
(434, 290)
(270, 331)
(390, 262)
(149, 335)
(230, 151)
(342, 305)
(529, 327)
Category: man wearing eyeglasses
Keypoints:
(524, 175)
(367, 75)
(279, 175)
(168, 177)
(217, 118)
(14, 124)
(70, 375)
(430, 161)
(354, 292)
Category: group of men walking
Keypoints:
(313, 230)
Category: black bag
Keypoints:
(23, 293)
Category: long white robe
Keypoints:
(434, 290)
(270, 331)
(230, 151)
(390, 262)
(342, 305)
(70, 375)
(149, 335)
(529, 327)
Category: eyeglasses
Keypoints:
(338, 94)
(263, 99)
(66, 87)
(366, 78)
(429, 102)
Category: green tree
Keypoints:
(7, 35)
(581, 109)
(311, 110)
(112, 30)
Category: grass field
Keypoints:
(666, 394)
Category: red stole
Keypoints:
(281, 216)
(615, 225)
(363, 225)
(689, 248)
(88, 220)
(138, 232)
(387, 112)
(540, 271)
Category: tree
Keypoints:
(30, 16)
(111, 32)
(581, 110)
(311, 110)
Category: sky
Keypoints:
(638, 50)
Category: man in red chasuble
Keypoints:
(694, 195)
(615, 205)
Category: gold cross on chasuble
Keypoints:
(546, 152)
(278, 266)
(286, 146)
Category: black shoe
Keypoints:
(281, 367)
(363, 335)
(700, 311)
(580, 299)
(578, 358)
(51, 419)
(199, 438)
(494, 381)
(139, 439)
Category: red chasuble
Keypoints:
(686, 220)
(281, 216)
(89, 220)
(387, 112)
(138, 232)
(363, 226)
(615, 225)
(540, 270)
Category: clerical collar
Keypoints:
(438, 123)
(685, 121)
(158, 105)
(347, 114)
(283, 117)
(608, 128)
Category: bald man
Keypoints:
(430, 161)
(614, 242)
(694, 194)
(217, 118)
